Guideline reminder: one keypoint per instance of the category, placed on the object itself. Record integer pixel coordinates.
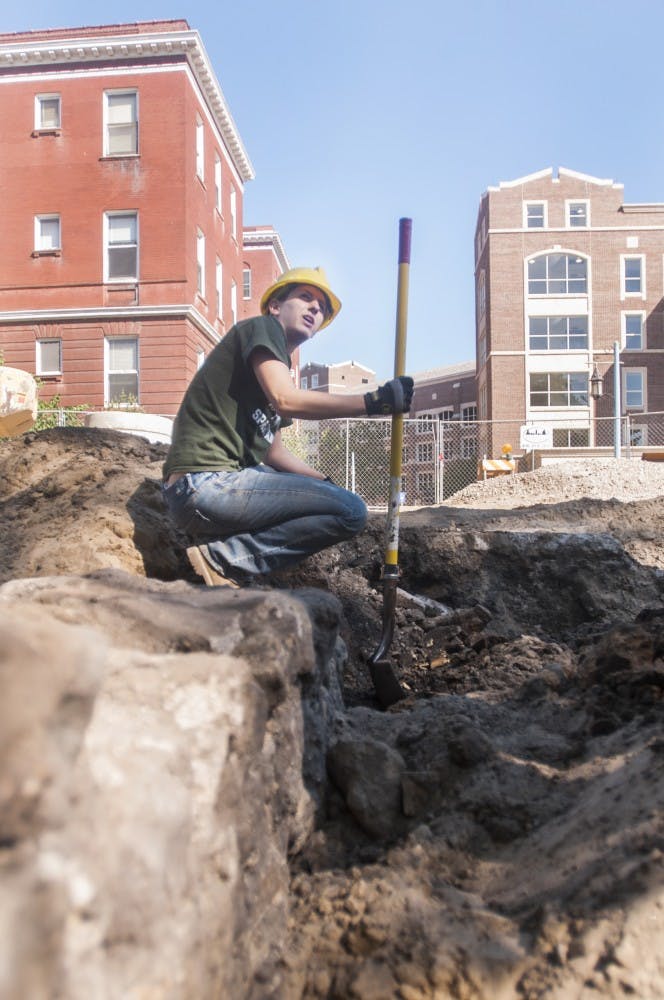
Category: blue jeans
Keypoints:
(258, 520)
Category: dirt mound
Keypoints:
(499, 833)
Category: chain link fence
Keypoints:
(440, 457)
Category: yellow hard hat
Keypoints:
(304, 276)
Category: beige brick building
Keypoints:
(564, 270)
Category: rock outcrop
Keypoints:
(155, 781)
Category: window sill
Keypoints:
(119, 156)
(49, 376)
(46, 253)
(38, 132)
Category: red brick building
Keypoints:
(565, 269)
(122, 173)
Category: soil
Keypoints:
(504, 833)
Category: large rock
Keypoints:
(153, 782)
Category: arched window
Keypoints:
(557, 274)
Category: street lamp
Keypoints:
(597, 390)
(596, 384)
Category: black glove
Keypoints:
(393, 397)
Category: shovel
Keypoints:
(385, 681)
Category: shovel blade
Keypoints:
(387, 687)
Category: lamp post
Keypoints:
(597, 390)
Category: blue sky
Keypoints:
(358, 112)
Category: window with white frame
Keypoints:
(468, 447)
(570, 437)
(246, 283)
(556, 389)
(121, 123)
(217, 182)
(557, 274)
(558, 333)
(578, 214)
(634, 388)
(121, 371)
(219, 287)
(233, 201)
(47, 233)
(314, 381)
(303, 382)
(200, 149)
(468, 413)
(481, 293)
(121, 246)
(200, 357)
(200, 263)
(424, 451)
(534, 214)
(49, 357)
(48, 112)
(425, 485)
(633, 275)
(633, 324)
(233, 302)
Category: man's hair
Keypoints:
(282, 294)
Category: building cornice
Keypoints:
(259, 238)
(81, 46)
(109, 313)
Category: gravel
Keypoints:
(595, 478)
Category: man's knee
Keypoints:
(356, 515)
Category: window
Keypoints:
(633, 331)
(200, 149)
(468, 413)
(578, 214)
(557, 274)
(217, 182)
(234, 213)
(425, 451)
(314, 381)
(47, 112)
(570, 437)
(633, 278)
(559, 389)
(246, 283)
(534, 215)
(200, 357)
(121, 119)
(425, 485)
(121, 364)
(219, 286)
(481, 293)
(558, 333)
(303, 382)
(233, 302)
(47, 233)
(49, 357)
(468, 448)
(634, 383)
(121, 238)
(200, 263)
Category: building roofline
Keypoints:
(256, 237)
(448, 371)
(77, 45)
(338, 364)
(562, 172)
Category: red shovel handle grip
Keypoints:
(405, 231)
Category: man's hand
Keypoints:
(393, 397)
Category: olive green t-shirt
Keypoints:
(225, 420)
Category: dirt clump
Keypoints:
(499, 833)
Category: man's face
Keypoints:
(301, 313)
